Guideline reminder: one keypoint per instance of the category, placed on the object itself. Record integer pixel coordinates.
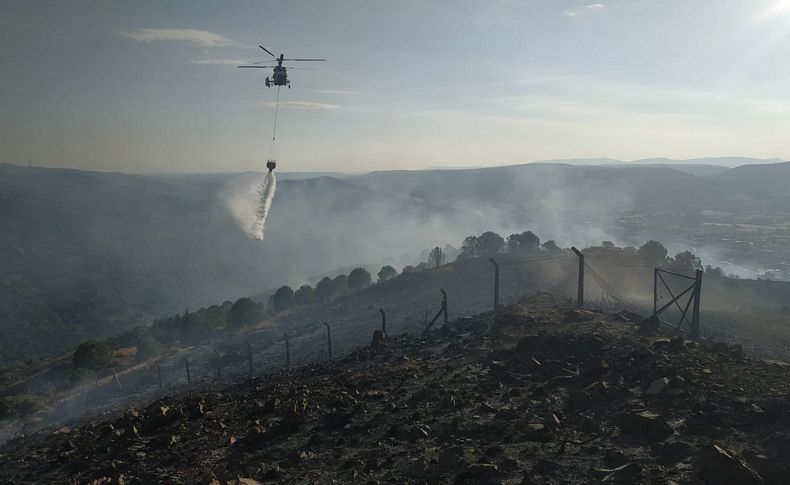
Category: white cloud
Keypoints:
(219, 62)
(302, 105)
(201, 38)
(592, 6)
(336, 91)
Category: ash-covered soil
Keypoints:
(542, 394)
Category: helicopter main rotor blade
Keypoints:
(267, 51)
(257, 67)
(311, 60)
(303, 68)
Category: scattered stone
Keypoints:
(718, 466)
(479, 473)
(593, 367)
(628, 473)
(644, 423)
(659, 387)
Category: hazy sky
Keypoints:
(143, 86)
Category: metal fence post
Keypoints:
(219, 366)
(189, 377)
(444, 306)
(328, 339)
(580, 288)
(695, 311)
(383, 321)
(496, 285)
(287, 351)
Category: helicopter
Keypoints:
(280, 75)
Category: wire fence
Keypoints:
(607, 284)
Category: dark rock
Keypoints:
(644, 423)
(659, 387)
(593, 367)
(649, 326)
(478, 473)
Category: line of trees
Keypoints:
(327, 288)
(490, 243)
(194, 327)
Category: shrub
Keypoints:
(147, 347)
(92, 354)
(19, 405)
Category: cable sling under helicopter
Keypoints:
(273, 150)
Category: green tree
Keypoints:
(469, 248)
(551, 247)
(437, 257)
(283, 298)
(685, 261)
(340, 285)
(521, 243)
(489, 243)
(324, 289)
(194, 328)
(304, 295)
(652, 253)
(92, 354)
(386, 272)
(358, 278)
(245, 311)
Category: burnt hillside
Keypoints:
(542, 394)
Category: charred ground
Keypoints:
(541, 394)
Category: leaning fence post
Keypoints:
(328, 339)
(496, 285)
(655, 290)
(383, 321)
(115, 378)
(249, 356)
(189, 377)
(580, 288)
(287, 352)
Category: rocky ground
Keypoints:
(542, 394)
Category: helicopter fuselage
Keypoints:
(280, 76)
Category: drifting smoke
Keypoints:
(265, 195)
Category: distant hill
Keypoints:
(86, 254)
(771, 179)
